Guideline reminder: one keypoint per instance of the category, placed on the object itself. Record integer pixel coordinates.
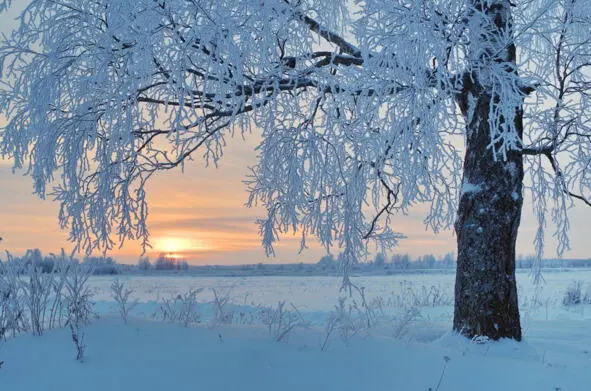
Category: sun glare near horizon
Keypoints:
(178, 245)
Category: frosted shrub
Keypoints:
(223, 312)
(58, 306)
(31, 292)
(181, 309)
(79, 306)
(43, 287)
(12, 312)
(342, 320)
(403, 321)
(121, 295)
(574, 294)
(37, 289)
(411, 296)
(281, 322)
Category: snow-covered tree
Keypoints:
(361, 108)
(327, 262)
(379, 261)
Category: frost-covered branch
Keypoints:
(359, 112)
(555, 52)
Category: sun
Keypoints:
(176, 245)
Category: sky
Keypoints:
(200, 214)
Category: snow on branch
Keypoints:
(358, 110)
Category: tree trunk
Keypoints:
(491, 199)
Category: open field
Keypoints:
(397, 339)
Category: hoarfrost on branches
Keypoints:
(358, 111)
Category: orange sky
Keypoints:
(201, 214)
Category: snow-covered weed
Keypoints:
(411, 296)
(480, 340)
(402, 322)
(182, 308)
(574, 294)
(12, 312)
(345, 321)
(350, 318)
(224, 314)
(79, 306)
(32, 293)
(37, 290)
(121, 294)
(446, 359)
(281, 322)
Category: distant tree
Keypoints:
(327, 262)
(449, 260)
(379, 261)
(101, 95)
(401, 261)
(102, 265)
(167, 262)
(144, 264)
(429, 261)
(182, 265)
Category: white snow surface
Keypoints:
(148, 354)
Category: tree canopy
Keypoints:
(356, 105)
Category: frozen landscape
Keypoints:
(401, 339)
(351, 128)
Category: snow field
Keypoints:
(398, 351)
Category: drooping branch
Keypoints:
(328, 35)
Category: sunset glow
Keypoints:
(176, 246)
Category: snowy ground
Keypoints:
(148, 354)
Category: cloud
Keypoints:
(217, 224)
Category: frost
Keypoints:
(471, 188)
(357, 113)
(511, 168)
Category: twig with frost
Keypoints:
(281, 322)
(223, 314)
(401, 324)
(343, 320)
(446, 359)
(79, 306)
(12, 311)
(181, 308)
(121, 294)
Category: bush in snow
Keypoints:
(31, 289)
(281, 322)
(121, 295)
(181, 309)
(12, 311)
(37, 291)
(344, 321)
(79, 306)
(574, 294)
(411, 296)
(224, 314)
(402, 321)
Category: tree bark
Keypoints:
(490, 204)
